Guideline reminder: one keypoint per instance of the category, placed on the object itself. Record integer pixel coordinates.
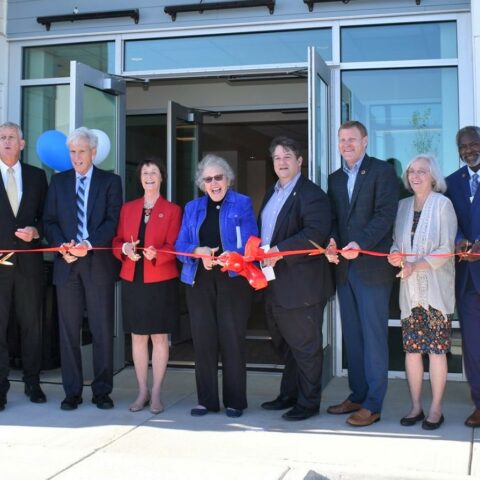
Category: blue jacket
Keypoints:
(237, 224)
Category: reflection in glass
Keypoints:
(54, 60)
(258, 48)
(99, 111)
(415, 41)
(43, 108)
(406, 111)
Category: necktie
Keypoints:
(12, 191)
(80, 208)
(474, 186)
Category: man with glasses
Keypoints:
(294, 213)
(463, 191)
(364, 197)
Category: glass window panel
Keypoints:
(99, 111)
(43, 108)
(396, 354)
(407, 112)
(54, 60)
(226, 50)
(416, 41)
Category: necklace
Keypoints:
(147, 209)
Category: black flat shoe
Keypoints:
(233, 412)
(198, 411)
(426, 425)
(299, 413)
(282, 402)
(410, 421)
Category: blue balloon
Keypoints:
(53, 151)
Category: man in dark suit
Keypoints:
(81, 212)
(364, 196)
(463, 191)
(294, 212)
(22, 195)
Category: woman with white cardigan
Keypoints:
(426, 224)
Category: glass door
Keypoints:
(183, 151)
(319, 166)
(97, 100)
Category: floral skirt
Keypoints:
(427, 331)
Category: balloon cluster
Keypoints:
(53, 151)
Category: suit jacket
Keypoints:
(367, 219)
(301, 280)
(161, 232)
(60, 221)
(29, 214)
(468, 216)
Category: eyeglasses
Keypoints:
(217, 178)
(420, 173)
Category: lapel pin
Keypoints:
(464, 175)
(363, 172)
(294, 193)
(160, 215)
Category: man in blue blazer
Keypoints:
(81, 213)
(294, 212)
(364, 197)
(21, 285)
(463, 191)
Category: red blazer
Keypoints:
(161, 232)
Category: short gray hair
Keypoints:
(438, 180)
(13, 125)
(211, 160)
(83, 133)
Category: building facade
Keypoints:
(177, 79)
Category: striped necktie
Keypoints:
(474, 185)
(80, 208)
(12, 191)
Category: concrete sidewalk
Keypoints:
(43, 442)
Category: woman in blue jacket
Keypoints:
(219, 303)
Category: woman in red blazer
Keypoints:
(149, 278)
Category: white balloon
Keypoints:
(103, 147)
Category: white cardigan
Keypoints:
(435, 233)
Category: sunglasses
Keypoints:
(217, 178)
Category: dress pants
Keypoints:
(364, 312)
(26, 294)
(297, 337)
(468, 304)
(78, 292)
(219, 307)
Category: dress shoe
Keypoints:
(363, 418)
(3, 402)
(474, 419)
(233, 412)
(139, 405)
(410, 421)
(103, 401)
(71, 402)
(282, 402)
(199, 411)
(426, 425)
(346, 406)
(156, 408)
(299, 413)
(35, 393)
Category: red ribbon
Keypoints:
(244, 264)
